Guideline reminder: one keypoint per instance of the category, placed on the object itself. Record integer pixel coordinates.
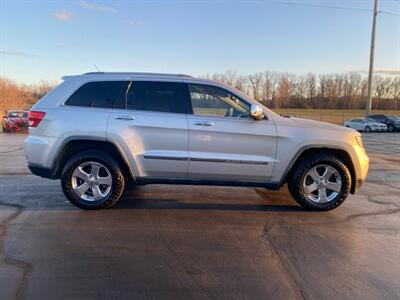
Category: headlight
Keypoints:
(359, 141)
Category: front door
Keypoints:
(225, 143)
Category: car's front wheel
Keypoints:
(390, 128)
(92, 180)
(320, 182)
(367, 129)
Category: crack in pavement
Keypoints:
(26, 267)
(373, 213)
(12, 150)
(284, 266)
(369, 199)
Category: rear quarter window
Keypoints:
(102, 94)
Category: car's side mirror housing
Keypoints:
(256, 112)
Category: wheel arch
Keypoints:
(339, 153)
(75, 145)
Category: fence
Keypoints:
(327, 117)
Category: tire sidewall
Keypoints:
(105, 160)
(367, 129)
(296, 184)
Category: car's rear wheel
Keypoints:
(92, 180)
(367, 129)
(320, 182)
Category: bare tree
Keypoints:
(255, 81)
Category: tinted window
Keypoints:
(12, 114)
(157, 96)
(209, 100)
(379, 118)
(105, 94)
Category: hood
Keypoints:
(306, 123)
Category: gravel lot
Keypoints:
(182, 242)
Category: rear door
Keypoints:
(225, 143)
(152, 128)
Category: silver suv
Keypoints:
(98, 132)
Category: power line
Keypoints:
(389, 13)
(333, 7)
(322, 6)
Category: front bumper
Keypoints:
(382, 129)
(362, 170)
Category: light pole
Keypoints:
(371, 60)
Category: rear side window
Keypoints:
(157, 96)
(104, 94)
(379, 118)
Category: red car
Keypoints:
(15, 121)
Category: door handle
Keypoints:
(204, 123)
(125, 118)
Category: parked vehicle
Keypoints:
(99, 131)
(15, 121)
(365, 124)
(391, 122)
(397, 118)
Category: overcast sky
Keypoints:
(49, 39)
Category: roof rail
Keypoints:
(139, 74)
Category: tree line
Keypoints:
(21, 96)
(330, 91)
(274, 89)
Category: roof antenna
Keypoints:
(97, 68)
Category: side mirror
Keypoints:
(256, 112)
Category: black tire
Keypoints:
(367, 129)
(118, 181)
(390, 128)
(295, 182)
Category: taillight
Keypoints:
(35, 117)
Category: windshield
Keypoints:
(17, 114)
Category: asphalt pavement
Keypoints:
(201, 242)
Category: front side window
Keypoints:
(154, 96)
(209, 100)
(104, 94)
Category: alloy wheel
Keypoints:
(321, 184)
(91, 181)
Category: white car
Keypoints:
(99, 131)
(365, 124)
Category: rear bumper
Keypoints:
(41, 150)
(42, 172)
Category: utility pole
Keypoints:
(371, 60)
